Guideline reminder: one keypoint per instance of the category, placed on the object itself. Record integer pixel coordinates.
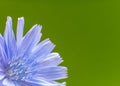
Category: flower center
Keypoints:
(15, 70)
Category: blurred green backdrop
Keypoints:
(86, 32)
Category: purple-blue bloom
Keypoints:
(25, 61)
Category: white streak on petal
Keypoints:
(7, 82)
(2, 75)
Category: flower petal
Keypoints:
(20, 28)
(3, 53)
(40, 52)
(43, 82)
(8, 82)
(10, 39)
(53, 59)
(43, 48)
(30, 40)
(2, 75)
(50, 73)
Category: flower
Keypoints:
(24, 61)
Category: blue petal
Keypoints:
(20, 28)
(43, 82)
(40, 51)
(43, 48)
(2, 65)
(53, 73)
(10, 39)
(51, 60)
(49, 73)
(8, 82)
(3, 53)
(30, 40)
(2, 75)
(23, 83)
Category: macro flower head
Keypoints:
(27, 61)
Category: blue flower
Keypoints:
(24, 61)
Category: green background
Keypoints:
(86, 34)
